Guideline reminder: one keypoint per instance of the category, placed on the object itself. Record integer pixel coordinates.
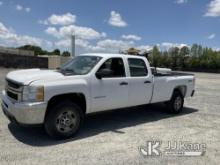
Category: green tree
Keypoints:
(166, 60)
(56, 52)
(37, 50)
(66, 54)
(174, 53)
(200, 51)
(184, 52)
(194, 50)
(156, 56)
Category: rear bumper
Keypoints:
(23, 113)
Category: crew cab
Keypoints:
(60, 99)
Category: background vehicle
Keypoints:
(89, 83)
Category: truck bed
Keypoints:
(166, 81)
(172, 73)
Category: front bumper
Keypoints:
(23, 113)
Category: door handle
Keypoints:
(123, 83)
(147, 82)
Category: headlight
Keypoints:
(33, 93)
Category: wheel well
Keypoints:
(182, 89)
(77, 98)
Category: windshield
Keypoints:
(80, 65)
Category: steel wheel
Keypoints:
(175, 105)
(66, 121)
(178, 103)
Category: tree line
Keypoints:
(39, 51)
(194, 58)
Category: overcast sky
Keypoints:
(110, 25)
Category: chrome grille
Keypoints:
(12, 84)
(13, 90)
(12, 95)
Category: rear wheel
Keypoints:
(64, 120)
(175, 105)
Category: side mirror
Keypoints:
(104, 73)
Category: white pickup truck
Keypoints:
(59, 99)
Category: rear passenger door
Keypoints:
(140, 82)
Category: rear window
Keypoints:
(137, 67)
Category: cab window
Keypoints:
(137, 67)
(114, 66)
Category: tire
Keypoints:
(175, 105)
(64, 120)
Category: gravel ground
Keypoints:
(115, 137)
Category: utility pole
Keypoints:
(73, 47)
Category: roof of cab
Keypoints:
(110, 55)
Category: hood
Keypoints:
(27, 76)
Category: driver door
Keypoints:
(111, 91)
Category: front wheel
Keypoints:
(64, 120)
(175, 105)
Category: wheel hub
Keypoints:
(65, 121)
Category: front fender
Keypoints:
(67, 87)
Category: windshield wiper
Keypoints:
(67, 71)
